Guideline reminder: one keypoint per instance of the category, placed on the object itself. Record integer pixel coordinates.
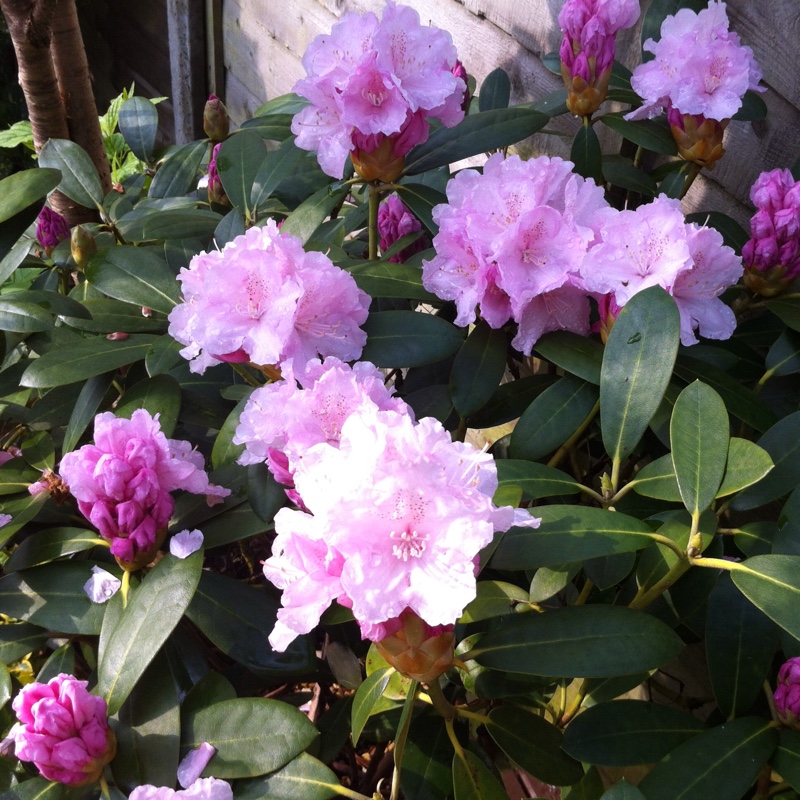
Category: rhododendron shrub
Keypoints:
(414, 521)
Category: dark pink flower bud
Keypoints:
(380, 157)
(787, 693)
(394, 222)
(460, 72)
(63, 730)
(51, 228)
(216, 194)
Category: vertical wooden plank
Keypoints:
(185, 32)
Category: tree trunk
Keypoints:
(74, 81)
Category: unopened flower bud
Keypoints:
(51, 228)
(395, 221)
(216, 194)
(417, 650)
(787, 694)
(83, 246)
(698, 138)
(215, 119)
(377, 157)
(459, 70)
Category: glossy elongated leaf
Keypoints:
(740, 644)
(658, 480)
(273, 126)
(720, 763)
(52, 596)
(753, 108)
(22, 512)
(782, 444)
(21, 317)
(148, 731)
(253, 735)
(39, 451)
(157, 225)
(581, 356)
(747, 464)
(607, 571)
(15, 479)
(478, 369)
(772, 583)
(86, 407)
(235, 524)
(786, 759)
(783, 357)
(510, 400)
(549, 581)
(552, 418)
(303, 778)
(739, 400)
(311, 213)
(20, 638)
(427, 771)
(382, 279)
(153, 611)
(422, 199)
(579, 642)
(111, 316)
(85, 360)
(138, 123)
(472, 779)
(699, 433)
(637, 366)
(135, 275)
(590, 788)
(44, 546)
(79, 179)
(477, 133)
(54, 302)
(625, 175)
(237, 618)
(534, 744)
(238, 162)
(586, 154)
(535, 480)
(409, 339)
(366, 697)
(495, 90)
(159, 395)
(276, 166)
(36, 789)
(570, 533)
(646, 133)
(62, 659)
(24, 188)
(787, 309)
(493, 599)
(179, 172)
(626, 732)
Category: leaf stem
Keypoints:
(451, 733)
(562, 451)
(126, 585)
(375, 190)
(445, 708)
(401, 737)
(657, 589)
(577, 702)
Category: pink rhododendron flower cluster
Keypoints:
(587, 49)
(372, 84)
(123, 481)
(700, 67)
(512, 240)
(398, 515)
(262, 298)
(774, 247)
(396, 221)
(63, 730)
(280, 421)
(787, 693)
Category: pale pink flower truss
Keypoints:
(510, 237)
(280, 421)
(700, 67)
(63, 730)
(376, 78)
(398, 514)
(123, 481)
(262, 298)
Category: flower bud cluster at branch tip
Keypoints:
(372, 86)
(772, 254)
(51, 229)
(587, 49)
(123, 481)
(63, 730)
(396, 221)
(699, 76)
(787, 694)
(262, 298)
(82, 246)
(216, 124)
(216, 194)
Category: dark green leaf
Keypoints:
(311, 213)
(772, 583)
(657, 12)
(138, 123)
(111, 316)
(35, 789)
(85, 360)
(39, 451)
(657, 479)
(787, 309)
(87, 405)
(510, 400)
(626, 732)
(747, 463)
(421, 200)
(44, 546)
(62, 659)
(477, 133)
(783, 357)
(179, 172)
(303, 778)
(273, 126)
(552, 418)
(493, 599)
(495, 91)
(478, 369)
(623, 791)
(637, 366)
(238, 162)
(720, 763)
(472, 779)
(276, 166)
(585, 154)
(283, 104)
(699, 433)
(253, 736)
(607, 571)
(237, 618)
(383, 279)
(52, 596)
(366, 698)
(160, 395)
(590, 788)
(740, 644)
(134, 275)
(786, 760)
(753, 108)
(590, 641)
(153, 611)
(646, 133)
(150, 225)
(20, 317)
(534, 744)
(535, 480)
(79, 179)
(20, 638)
(579, 355)
(24, 188)
(426, 772)
(409, 339)
(625, 175)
